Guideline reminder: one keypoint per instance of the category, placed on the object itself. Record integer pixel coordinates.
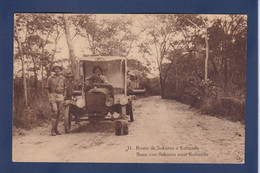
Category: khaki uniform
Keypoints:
(70, 87)
(56, 86)
(132, 84)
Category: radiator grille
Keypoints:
(96, 102)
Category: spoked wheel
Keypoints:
(67, 119)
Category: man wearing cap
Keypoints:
(56, 88)
(132, 81)
(96, 78)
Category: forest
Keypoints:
(196, 59)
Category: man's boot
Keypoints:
(53, 121)
(56, 126)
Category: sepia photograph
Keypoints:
(129, 88)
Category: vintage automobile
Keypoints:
(100, 101)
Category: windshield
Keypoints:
(113, 70)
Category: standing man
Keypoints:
(71, 85)
(56, 90)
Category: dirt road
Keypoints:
(164, 131)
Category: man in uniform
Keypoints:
(70, 86)
(56, 88)
(132, 81)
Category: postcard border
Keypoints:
(9, 7)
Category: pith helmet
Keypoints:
(57, 66)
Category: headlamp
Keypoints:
(109, 101)
(80, 102)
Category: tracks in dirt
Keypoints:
(158, 123)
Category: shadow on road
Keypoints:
(108, 127)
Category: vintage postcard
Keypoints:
(129, 88)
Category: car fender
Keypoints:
(79, 102)
(121, 99)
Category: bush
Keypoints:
(212, 100)
(38, 109)
(37, 112)
(153, 86)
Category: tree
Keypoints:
(161, 33)
(112, 37)
(228, 41)
(39, 33)
(17, 38)
(74, 63)
(201, 23)
(226, 56)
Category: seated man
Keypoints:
(97, 79)
(132, 81)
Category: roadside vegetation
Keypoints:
(199, 60)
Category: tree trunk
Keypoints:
(225, 65)
(35, 74)
(162, 86)
(207, 55)
(74, 63)
(177, 80)
(42, 88)
(225, 71)
(23, 68)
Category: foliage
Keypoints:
(107, 37)
(40, 34)
(160, 33)
(178, 48)
(224, 91)
(38, 110)
(153, 86)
